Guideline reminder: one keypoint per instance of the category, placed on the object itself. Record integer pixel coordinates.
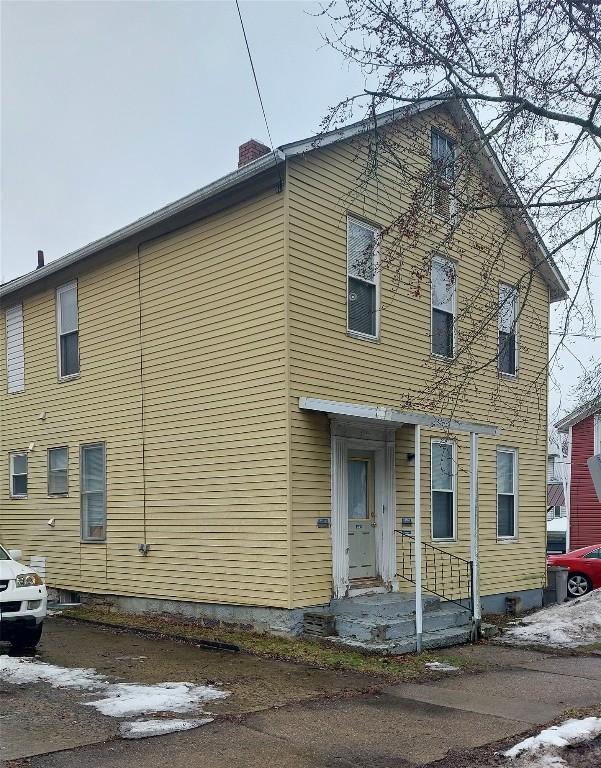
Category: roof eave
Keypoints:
(138, 227)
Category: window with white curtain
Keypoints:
(444, 306)
(507, 507)
(68, 330)
(93, 492)
(362, 278)
(507, 351)
(443, 489)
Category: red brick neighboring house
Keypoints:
(584, 428)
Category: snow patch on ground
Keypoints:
(441, 666)
(129, 700)
(573, 623)
(141, 729)
(21, 671)
(544, 749)
(119, 699)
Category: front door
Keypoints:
(361, 515)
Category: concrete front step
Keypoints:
(390, 604)
(378, 629)
(430, 640)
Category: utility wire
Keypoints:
(252, 66)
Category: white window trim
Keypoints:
(597, 435)
(11, 474)
(350, 332)
(453, 444)
(59, 290)
(452, 218)
(443, 260)
(56, 495)
(87, 539)
(514, 451)
(501, 373)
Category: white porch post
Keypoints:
(474, 545)
(417, 526)
(339, 515)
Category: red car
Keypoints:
(585, 569)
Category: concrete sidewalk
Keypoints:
(289, 715)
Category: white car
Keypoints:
(23, 601)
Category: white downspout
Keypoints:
(474, 544)
(418, 540)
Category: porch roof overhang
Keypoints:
(382, 414)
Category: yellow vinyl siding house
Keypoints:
(236, 450)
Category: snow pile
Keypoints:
(576, 622)
(141, 729)
(543, 750)
(441, 666)
(120, 699)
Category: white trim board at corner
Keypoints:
(382, 413)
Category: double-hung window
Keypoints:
(597, 435)
(68, 330)
(507, 507)
(507, 352)
(93, 492)
(58, 471)
(15, 350)
(443, 489)
(444, 307)
(443, 168)
(18, 475)
(362, 279)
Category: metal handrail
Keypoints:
(454, 584)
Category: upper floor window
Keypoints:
(58, 471)
(444, 305)
(93, 492)
(506, 493)
(443, 489)
(68, 330)
(507, 351)
(18, 475)
(15, 350)
(443, 166)
(362, 278)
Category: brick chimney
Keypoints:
(250, 151)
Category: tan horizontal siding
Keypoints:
(325, 362)
(214, 486)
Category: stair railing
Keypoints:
(444, 574)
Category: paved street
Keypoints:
(284, 714)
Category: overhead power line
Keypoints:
(252, 66)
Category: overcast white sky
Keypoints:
(112, 109)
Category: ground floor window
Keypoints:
(443, 489)
(58, 471)
(18, 475)
(506, 493)
(93, 492)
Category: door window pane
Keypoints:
(358, 480)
